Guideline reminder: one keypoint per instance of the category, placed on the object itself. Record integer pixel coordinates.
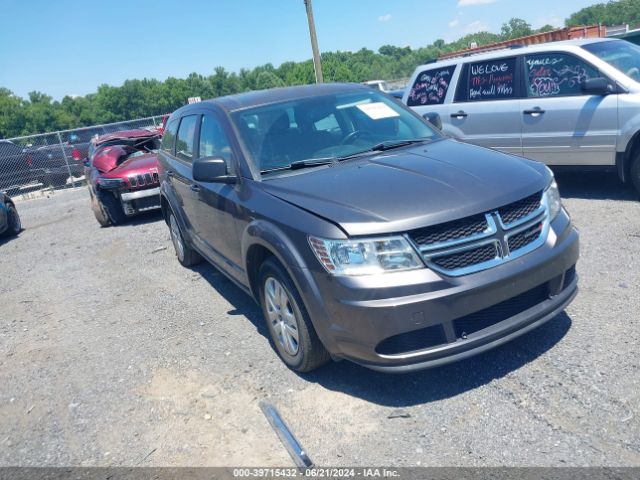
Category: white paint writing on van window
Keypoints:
(486, 68)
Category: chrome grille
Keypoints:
(522, 208)
(467, 258)
(524, 237)
(449, 231)
(482, 241)
(142, 180)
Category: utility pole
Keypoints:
(314, 42)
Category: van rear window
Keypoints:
(430, 87)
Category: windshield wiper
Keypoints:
(390, 145)
(306, 163)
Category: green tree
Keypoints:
(610, 13)
(514, 28)
(546, 28)
(267, 79)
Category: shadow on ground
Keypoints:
(413, 388)
(243, 304)
(5, 237)
(142, 218)
(593, 185)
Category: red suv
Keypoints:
(122, 175)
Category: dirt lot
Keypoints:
(113, 354)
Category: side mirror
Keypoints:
(212, 169)
(434, 119)
(597, 86)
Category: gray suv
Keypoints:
(362, 232)
(571, 103)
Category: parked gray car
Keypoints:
(362, 232)
(570, 103)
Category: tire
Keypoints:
(13, 220)
(635, 173)
(99, 213)
(292, 333)
(111, 207)
(187, 256)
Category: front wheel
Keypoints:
(111, 206)
(99, 212)
(635, 173)
(187, 256)
(13, 219)
(291, 330)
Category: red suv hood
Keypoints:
(133, 166)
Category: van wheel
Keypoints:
(15, 226)
(635, 173)
(292, 333)
(187, 256)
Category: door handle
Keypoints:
(194, 187)
(460, 114)
(534, 112)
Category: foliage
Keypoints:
(610, 13)
(516, 27)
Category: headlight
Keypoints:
(111, 183)
(365, 257)
(552, 198)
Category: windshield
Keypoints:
(325, 127)
(620, 54)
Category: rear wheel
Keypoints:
(187, 256)
(292, 332)
(13, 219)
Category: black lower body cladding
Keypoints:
(418, 319)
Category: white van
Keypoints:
(574, 102)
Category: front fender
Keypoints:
(276, 241)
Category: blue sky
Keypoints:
(69, 47)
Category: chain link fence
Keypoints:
(52, 161)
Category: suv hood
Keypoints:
(411, 187)
(135, 165)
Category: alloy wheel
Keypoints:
(281, 316)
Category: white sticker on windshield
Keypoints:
(378, 110)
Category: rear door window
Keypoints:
(488, 80)
(556, 74)
(430, 87)
(185, 138)
(169, 136)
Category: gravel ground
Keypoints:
(113, 354)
